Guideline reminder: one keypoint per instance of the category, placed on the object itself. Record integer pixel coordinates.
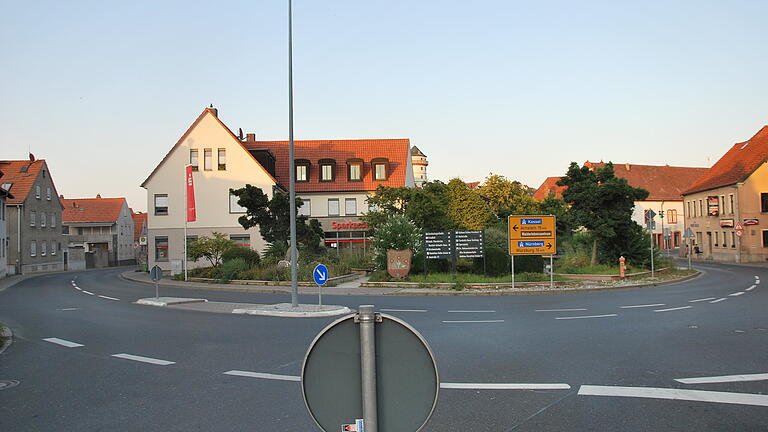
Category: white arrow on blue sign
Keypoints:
(320, 274)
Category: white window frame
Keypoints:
(43, 248)
(301, 173)
(53, 247)
(42, 219)
(326, 168)
(33, 248)
(346, 206)
(376, 173)
(48, 194)
(167, 207)
(195, 162)
(207, 159)
(221, 166)
(306, 209)
(234, 207)
(32, 218)
(333, 200)
(37, 192)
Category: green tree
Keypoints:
(427, 206)
(210, 248)
(273, 217)
(397, 232)
(507, 197)
(602, 203)
(466, 207)
(559, 209)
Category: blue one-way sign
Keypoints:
(320, 274)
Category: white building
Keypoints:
(419, 162)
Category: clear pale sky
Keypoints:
(102, 90)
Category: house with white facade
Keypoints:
(103, 224)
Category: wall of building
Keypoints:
(3, 239)
(124, 231)
(211, 190)
(673, 221)
(419, 169)
(713, 240)
(754, 248)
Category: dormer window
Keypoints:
(380, 168)
(355, 170)
(327, 170)
(302, 170)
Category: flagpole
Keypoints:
(186, 218)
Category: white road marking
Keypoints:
(642, 306)
(143, 359)
(68, 309)
(262, 375)
(672, 309)
(87, 292)
(586, 316)
(724, 379)
(108, 298)
(675, 394)
(718, 300)
(63, 342)
(701, 300)
(78, 288)
(559, 310)
(472, 311)
(757, 281)
(736, 294)
(403, 310)
(504, 386)
(751, 288)
(477, 321)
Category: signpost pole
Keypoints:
(157, 291)
(652, 274)
(367, 320)
(689, 253)
(551, 273)
(512, 265)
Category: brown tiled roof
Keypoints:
(473, 185)
(736, 165)
(549, 186)
(663, 182)
(22, 182)
(139, 220)
(4, 192)
(90, 210)
(395, 150)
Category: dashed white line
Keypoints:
(108, 298)
(675, 394)
(87, 292)
(471, 311)
(757, 281)
(701, 300)
(69, 309)
(586, 316)
(751, 288)
(736, 294)
(559, 310)
(724, 379)
(672, 309)
(403, 310)
(476, 321)
(62, 342)
(719, 300)
(642, 306)
(504, 386)
(262, 375)
(78, 288)
(143, 359)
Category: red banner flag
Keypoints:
(191, 211)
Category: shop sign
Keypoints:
(713, 206)
(349, 225)
(751, 221)
(726, 223)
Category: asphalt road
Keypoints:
(633, 342)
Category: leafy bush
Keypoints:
(275, 252)
(496, 261)
(231, 269)
(250, 256)
(397, 232)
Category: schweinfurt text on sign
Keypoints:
(532, 235)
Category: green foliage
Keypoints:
(462, 278)
(250, 256)
(496, 260)
(210, 248)
(427, 206)
(506, 197)
(397, 232)
(466, 207)
(275, 252)
(559, 209)
(232, 268)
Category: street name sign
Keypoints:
(438, 245)
(407, 382)
(532, 235)
(469, 244)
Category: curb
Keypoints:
(168, 301)
(8, 335)
(287, 314)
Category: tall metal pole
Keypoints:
(186, 219)
(291, 165)
(551, 273)
(367, 319)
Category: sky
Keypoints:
(102, 90)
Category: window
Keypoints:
(161, 204)
(725, 240)
(306, 208)
(191, 239)
(193, 159)
(43, 248)
(48, 194)
(7, 186)
(53, 220)
(701, 208)
(207, 159)
(222, 159)
(764, 202)
(241, 240)
(161, 248)
(37, 192)
(355, 170)
(730, 199)
(33, 247)
(234, 207)
(350, 206)
(327, 169)
(722, 204)
(302, 170)
(717, 236)
(333, 206)
(53, 248)
(380, 168)
(32, 217)
(42, 219)
(672, 216)
(733, 240)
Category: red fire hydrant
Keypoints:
(622, 267)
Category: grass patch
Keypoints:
(460, 279)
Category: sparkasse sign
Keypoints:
(532, 235)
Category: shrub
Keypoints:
(231, 269)
(250, 256)
(275, 252)
(496, 261)
(397, 232)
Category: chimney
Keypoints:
(251, 137)
(215, 111)
(61, 196)
(626, 165)
(98, 195)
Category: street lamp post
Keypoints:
(291, 167)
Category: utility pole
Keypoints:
(291, 166)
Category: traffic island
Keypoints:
(168, 301)
(6, 337)
(288, 311)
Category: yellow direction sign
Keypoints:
(532, 235)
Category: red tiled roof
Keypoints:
(89, 210)
(139, 221)
(663, 182)
(22, 182)
(549, 186)
(735, 165)
(395, 150)
(473, 185)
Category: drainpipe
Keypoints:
(19, 208)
